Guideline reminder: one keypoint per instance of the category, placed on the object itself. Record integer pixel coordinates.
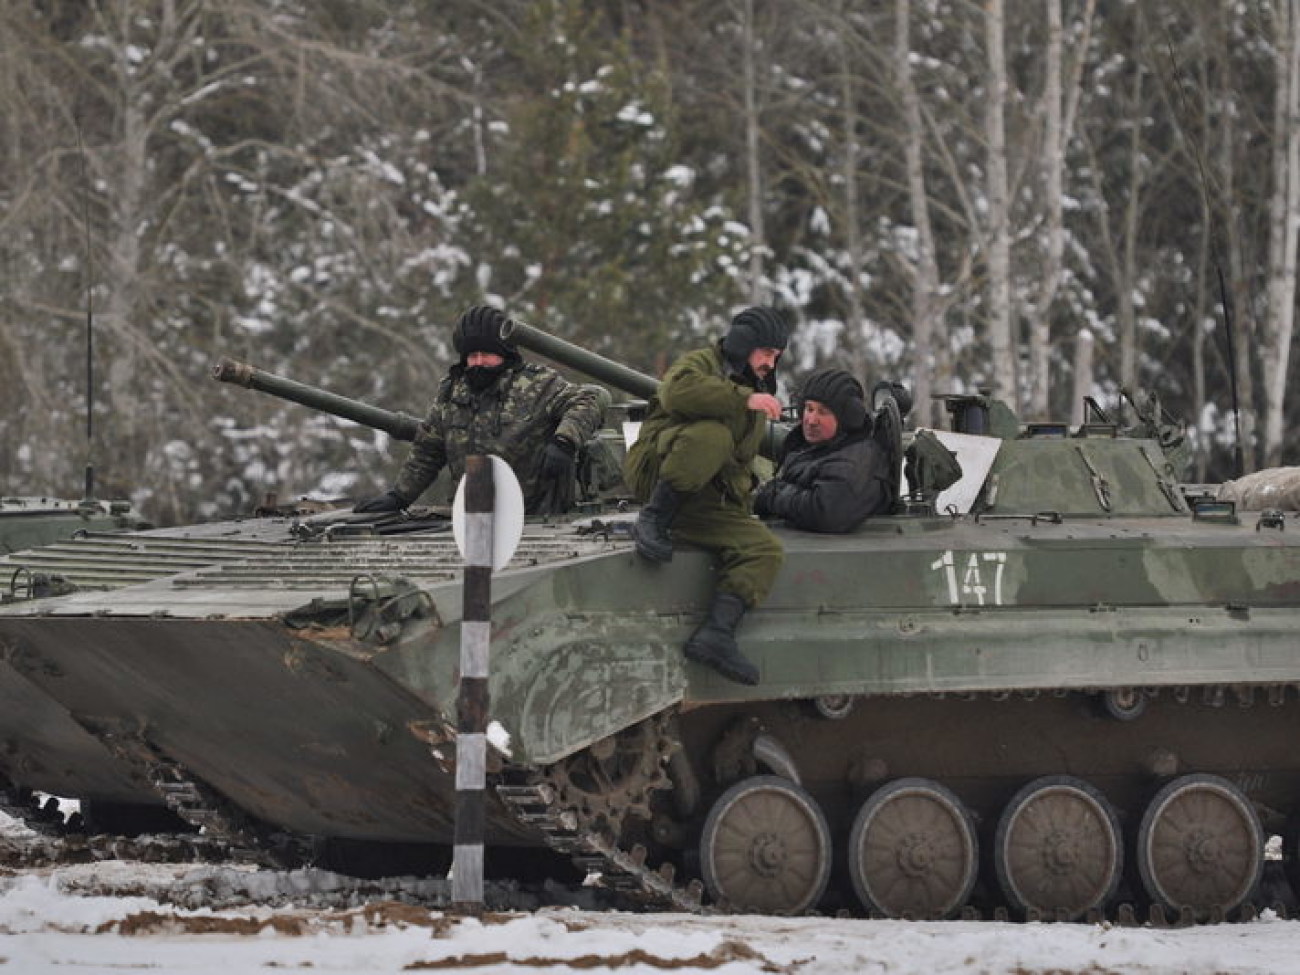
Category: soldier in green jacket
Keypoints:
(493, 402)
(691, 465)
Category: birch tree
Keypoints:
(749, 52)
(1239, 327)
(1001, 335)
(930, 361)
(851, 159)
(1060, 102)
(1284, 219)
(208, 220)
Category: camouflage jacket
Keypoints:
(514, 418)
(698, 386)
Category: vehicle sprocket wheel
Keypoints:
(766, 847)
(1200, 846)
(1057, 849)
(615, 777)
(913, 851)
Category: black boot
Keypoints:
(651, 528)
(714, 643)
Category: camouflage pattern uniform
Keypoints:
(701, 437)
(515, 418)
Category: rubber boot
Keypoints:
(651, 528)
(714, 643)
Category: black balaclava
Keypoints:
(479, 330)
(754, 328)
(843, 395)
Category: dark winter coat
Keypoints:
(828, 487)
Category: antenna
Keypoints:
(90, 322)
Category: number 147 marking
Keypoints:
(968, 576)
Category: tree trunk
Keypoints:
(1084, 380)
(1284, 215)
(852, 230)
(1199, 316)
(753, 166)
(1053, 165)
(1241, 326)
(1127, 281)
(927, 357)
(1001, 336)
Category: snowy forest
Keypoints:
(1047, 200)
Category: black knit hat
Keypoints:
(479, 330)
(843, 395)
(754, 328)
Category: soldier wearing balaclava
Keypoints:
(493, 402)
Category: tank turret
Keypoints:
(399, 426)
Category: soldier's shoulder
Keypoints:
(704, 361)
(706, 356)
(534, 375)
(536, 369)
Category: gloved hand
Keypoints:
(557, 459)
(900, 393)
(388, 501)
(767, 499)
(558, 470)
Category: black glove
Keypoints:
(765, 498)
(557, 459)
(557, 471)
(900, 393)
(386, 502)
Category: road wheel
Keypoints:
(1057, 849)
(913, 852)
(766, 848)
(1200, 846)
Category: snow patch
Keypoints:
(498, 738)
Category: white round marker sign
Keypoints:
(507, 514)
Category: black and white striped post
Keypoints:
(472, 699)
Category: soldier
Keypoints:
(833, 474)
(492, 402)
(691, 465)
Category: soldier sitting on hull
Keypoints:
(833, 475)
(691, 465)
(493, 402)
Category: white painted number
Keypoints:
(967, 576)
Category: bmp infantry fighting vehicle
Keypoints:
(29, 523)
(32, 522)
(1057, 688)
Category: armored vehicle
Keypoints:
(28, 522)
(1057, 689)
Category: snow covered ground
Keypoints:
(116, 916)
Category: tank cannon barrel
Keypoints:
(399, 426)
(575, 357)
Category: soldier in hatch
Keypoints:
(833, 475)
(493, 402)
(691, 465)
